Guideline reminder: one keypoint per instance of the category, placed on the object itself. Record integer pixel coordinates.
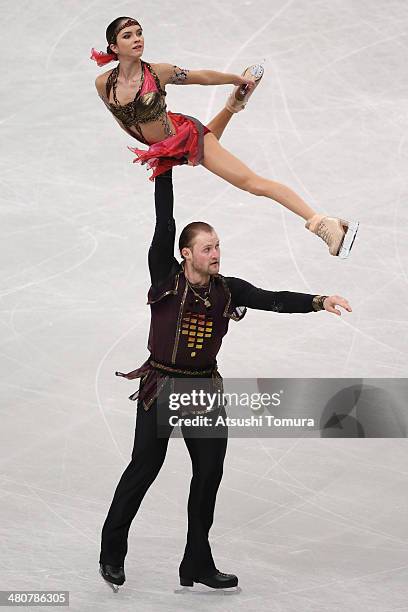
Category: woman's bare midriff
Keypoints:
(154, 131)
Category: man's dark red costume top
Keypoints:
(185, 335)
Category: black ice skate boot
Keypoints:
(113, 575)
(218, 580)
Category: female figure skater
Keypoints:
(134, 92)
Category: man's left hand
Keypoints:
(332, 301)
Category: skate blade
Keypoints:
(349, 239)
(114, 587)
(204, 588)
(257, 72)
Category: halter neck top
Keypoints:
(148, 104)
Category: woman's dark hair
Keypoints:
(111, 31)
(191, 230)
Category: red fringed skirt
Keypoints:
(186, 146)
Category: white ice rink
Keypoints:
(316, 525)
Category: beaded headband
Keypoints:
(127, 24)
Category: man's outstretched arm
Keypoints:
(245, 294)
(161, 252)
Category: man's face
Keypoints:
(204, 255)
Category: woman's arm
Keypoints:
(100, 84)
(173, 75)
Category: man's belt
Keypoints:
(167, 369)
(149, 391)
(164, 368)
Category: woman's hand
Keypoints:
(239, 80)
(332, 301)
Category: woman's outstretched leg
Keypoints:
(225, 165)
(218, 124)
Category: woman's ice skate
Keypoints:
(239, 97)
(338, 234)
(114, 576)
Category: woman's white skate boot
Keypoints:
(238, 99)
(338, 234)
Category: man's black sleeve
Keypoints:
(161, 252)
(245, 294)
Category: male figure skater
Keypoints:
(191, 305)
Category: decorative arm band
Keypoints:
(179, 76)
(317, 302)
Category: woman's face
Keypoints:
(129, 42)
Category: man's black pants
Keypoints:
(207, 457)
